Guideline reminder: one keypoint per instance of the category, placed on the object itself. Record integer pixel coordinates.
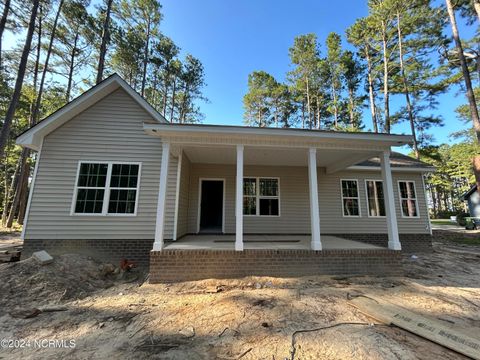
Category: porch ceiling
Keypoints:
(332, 160)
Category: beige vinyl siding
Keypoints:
(110, 130)
(294, 201)
(330, 203)
(182, 225)
(294, 207)
(226, 172)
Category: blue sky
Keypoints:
(234, 38)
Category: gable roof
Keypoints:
(398, 161)
(32, 138)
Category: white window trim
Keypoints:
(400, 199)
(199, 212)
(358, 198)
(366, 198)
(107, 188)
(258, 197)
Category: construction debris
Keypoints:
(33, 312)
(28, 284)
(10, 255)
(284, 318)
(431, 329)
(42, 257)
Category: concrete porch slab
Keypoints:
(264, 242)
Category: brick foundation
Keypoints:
(224, 264)
(188, 265)
(411, 243)
(103, 249)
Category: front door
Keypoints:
(211, 206)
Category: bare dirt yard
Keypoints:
(122, 317)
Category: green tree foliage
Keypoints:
(352, 73)
(304, 55)
(257, 102)
(61, 45)
(268, 102)
(334, 65)
(360, 34)
(453, 176)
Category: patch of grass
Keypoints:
(474, 240)
(442, 222)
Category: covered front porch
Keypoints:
(264, 241)
(303, 164)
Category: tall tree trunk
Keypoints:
(38, 100)
(386, 94)
(308, 104)
(154, 89)
(406, 89)
(165, 87)
(466, 74)
(36, 67)
(350, 110)
(371, 93)
(105, 41)
(303, 114)
(439, 198)
(172, 109)
(23, 204)
(5, 132)
(18, 189)
(145, 58)
(3, 23)
(468, 84)
(6, 195)
(22, 190)
(71, 67)
(318, 113)
(335, 109)
(476, 5)
(183, 107)
(434, 201)
(12, 187)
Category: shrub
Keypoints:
(445, 214)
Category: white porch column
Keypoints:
(391, 215)
(177, 195)
(314, 211)
(162, 193)
(239, 200)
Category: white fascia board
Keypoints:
(392, 140)
(394, 169)
(32, 138)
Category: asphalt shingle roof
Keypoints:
(397, 160)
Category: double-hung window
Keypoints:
(106, 188)
(350, 198)
(408, 198)
(261, 196)
(375, 198)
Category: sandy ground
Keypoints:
(115, 317)
(9, 240)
